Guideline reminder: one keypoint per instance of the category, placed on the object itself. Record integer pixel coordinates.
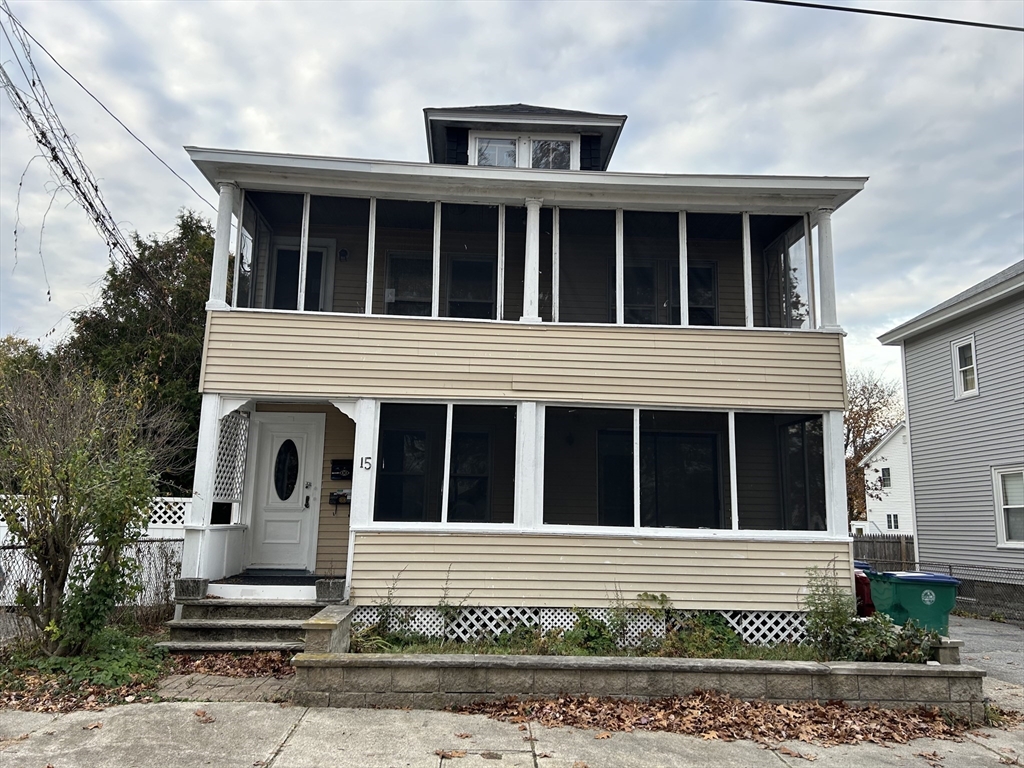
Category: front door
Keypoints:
(286, 505)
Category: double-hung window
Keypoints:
(965, 369)
(1008, 488)
(886, 477)
(892, 522)
(507, 150)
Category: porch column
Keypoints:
(835, 474)
(748, 275)
(222, 246)
(827, 276)
(364, 414)
(202, 487)
(529, 511)
(531, 281)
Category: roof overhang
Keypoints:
(944, 314)
(608, 127)
(783, 195)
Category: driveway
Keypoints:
(996, 648)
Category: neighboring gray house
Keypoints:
(963, 368)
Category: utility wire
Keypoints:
(872, 12)
(104, 106)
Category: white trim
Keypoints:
(300, 299)
(881, 444)
(748, 275)
(734, 491)
(1000, 503)
(473, 153)
(812, 294)
(836, 511)
(613, 121)
(827, 269)
(499, 306)
(684, 275)
(636, 467)
(619, 270)
(556, 283)
(447, 463)
(524, 147)
(371, 246)
(435, 287)
(959, 393)
(240, 232)
(329, 246)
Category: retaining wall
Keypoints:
(425, 681)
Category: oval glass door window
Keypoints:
(286, 470)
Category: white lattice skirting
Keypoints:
(475, 622)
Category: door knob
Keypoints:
(306, 505)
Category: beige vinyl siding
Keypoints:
(309, 354)
(565, 571)
(339, 441)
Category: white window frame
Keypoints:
(885, 473)
(327, 245)
(997, 496)
(524, 146)
(959, 392)
(892, 521)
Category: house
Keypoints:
(963, 368)
(887, 476)
(475, 379)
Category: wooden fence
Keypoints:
(885, 552)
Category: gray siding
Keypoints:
(955, 443)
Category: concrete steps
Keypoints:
(227, 625)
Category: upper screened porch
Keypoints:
(522, 244)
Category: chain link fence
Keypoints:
(159, 562)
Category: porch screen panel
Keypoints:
(684, 472)
(586, 258)
(410, 468)
(779, 263)
(515, 261)
(714, 254)
(481, 485)
(588, 466)
(338, 229)
(403, 258)
(650, 268)
(469, 261)
(545, 287)
(244, 274)
(276, 252)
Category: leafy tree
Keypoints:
(875, 409)
(150, 321)
(78, 461)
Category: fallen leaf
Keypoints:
(603, 735)
(793, 753)
(464, 735)
(522, 727)
(200, 713)
(490, 755)
(448, 754)
(529, 738)
(92, 726)
(541, 755)
(710, 735)
(129, 699)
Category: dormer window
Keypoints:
(556, 152)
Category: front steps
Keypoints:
(212, 625)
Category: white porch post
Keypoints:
(531, 282)
(530, 457)
(835, 473)
(202, 487)
(222, 246)
(748, 275)
(827, 272)
(364, 413)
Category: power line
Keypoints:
(104, 106)
(872, 12)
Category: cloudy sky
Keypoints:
(933, 113)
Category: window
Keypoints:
(561, 152)
(965, 372)
(892, 522)
(886, 478)
(1008, 486)
(471, 287)
(702, 289)
(409, 284)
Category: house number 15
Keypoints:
(365, 462)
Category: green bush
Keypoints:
(702, 635)
(112, 658)
(831, 613)
(588, 637)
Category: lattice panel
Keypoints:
(644, 624)
(231, 449)
(168, 510)
(476, 622)
(766, 627)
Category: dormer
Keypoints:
(522, 136)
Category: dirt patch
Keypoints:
(258, 664)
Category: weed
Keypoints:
(702, 635)
(831, 612)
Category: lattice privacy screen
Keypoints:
(231, 449)
(474, 622)
(168, 510)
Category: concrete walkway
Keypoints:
(261, 735)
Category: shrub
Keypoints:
(588, 637)
(702, 635)
(831, 613)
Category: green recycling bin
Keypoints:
(925, 597)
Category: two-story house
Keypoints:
(887, 477)
(513, 377)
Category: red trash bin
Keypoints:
(863, 591)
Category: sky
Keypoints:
(932, 113)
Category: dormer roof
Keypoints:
(447, 126)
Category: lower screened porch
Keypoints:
(519, 504)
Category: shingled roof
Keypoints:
(523, 109)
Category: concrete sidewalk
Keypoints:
(260, 735)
